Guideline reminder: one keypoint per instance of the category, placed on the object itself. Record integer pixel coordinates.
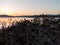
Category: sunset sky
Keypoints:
(29, 7)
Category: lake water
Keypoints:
(8, 21)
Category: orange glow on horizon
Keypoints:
(20, 13)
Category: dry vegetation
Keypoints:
(32, 33)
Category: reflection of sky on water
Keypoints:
(8, 21)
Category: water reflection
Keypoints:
(8, 21)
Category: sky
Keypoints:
(29, 7)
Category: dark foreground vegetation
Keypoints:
(32, 33)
